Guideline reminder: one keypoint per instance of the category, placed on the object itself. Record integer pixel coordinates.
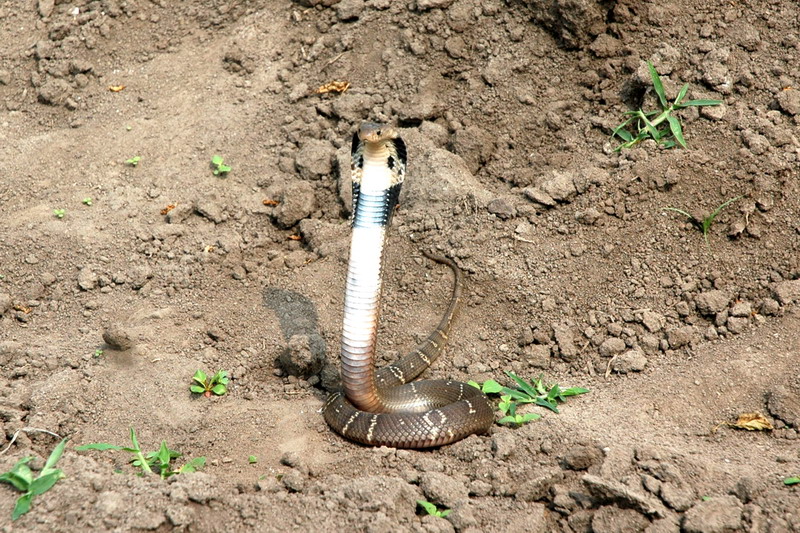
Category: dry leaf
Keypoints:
(333, 87)
(752, 422)
(295, 237)
(22, 308)
(167, 209)
(116, 88)
(269, 201)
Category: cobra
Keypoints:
(385, 407)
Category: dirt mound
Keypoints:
(119, 280)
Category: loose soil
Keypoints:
(575, 269)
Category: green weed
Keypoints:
(59, 213)
(218, 165)
(431, 509)
(21, 478)
(534, 391)
(159, 461)
(791, 480)
(704, 224)
(252, 459)
(665, 129)
(133, 161)
(217, 384)
(87, 201)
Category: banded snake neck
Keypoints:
(385, 407)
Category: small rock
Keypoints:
(294, 481)
(737, 325)
(118, 337)
(503, 444)
(787, 292)
(31, 259)
(54, 92)
(501, 208)
(789, 101)
(535, 194)
(87, 279)
(677, 497)
(653, 321)
(5, 302)
(297, 202)
(614, 492)
(443, 489)
(741, 309)
(566, 341)
(560, 186)
(315, 159)
(588, 217)
(582, 457)
(46, 8)
(785, 404)
(538, 487)
(349, 10)
(5, 77)
(303, 356)
(720, 514)
(612, 519)
(630, 361)
(712, 302)
(538, 355)
(769, 307)
(424, 5)
(209, 207)
(680, 337)
(611, 347)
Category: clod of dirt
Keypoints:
(5, 302)
(118, 337)
(54, 92)
(615, 492)
(443, 489)
(538, 488)
(788, 101)
(304, 355)
(630, 361)
(315, 159)
(611, 518)
(611, 347)
(87, 279)
(787, 292)
(716, 515)
(785, 405)
(712, 302)
(582, 457)
(297, 201)
(46, 7)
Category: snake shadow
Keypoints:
(305, 352)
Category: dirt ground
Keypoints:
(575, 269)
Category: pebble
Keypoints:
(87, 279)
(118, 337)
(46, 7)
(501, 208)
(653, 321)
(5, 302)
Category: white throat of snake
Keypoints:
(378, 168)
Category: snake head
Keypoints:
(370, 132)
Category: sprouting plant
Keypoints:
(158, 461)
(704, 224)
(791, 480)
(217, 384)
(87, 201)
(252, 459)
(133, 161)
(98, 353)
(665, 129)
(535, 392)
(431, 509)
(21, 477)
(219, 166)
(59, 213)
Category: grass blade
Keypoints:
(55, 455)
(654, 133)
(44, 483)
(657, 85)
(682, 93)
(23, 505)
(691, 103)
(675, 127)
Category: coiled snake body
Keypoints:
(385, 407)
